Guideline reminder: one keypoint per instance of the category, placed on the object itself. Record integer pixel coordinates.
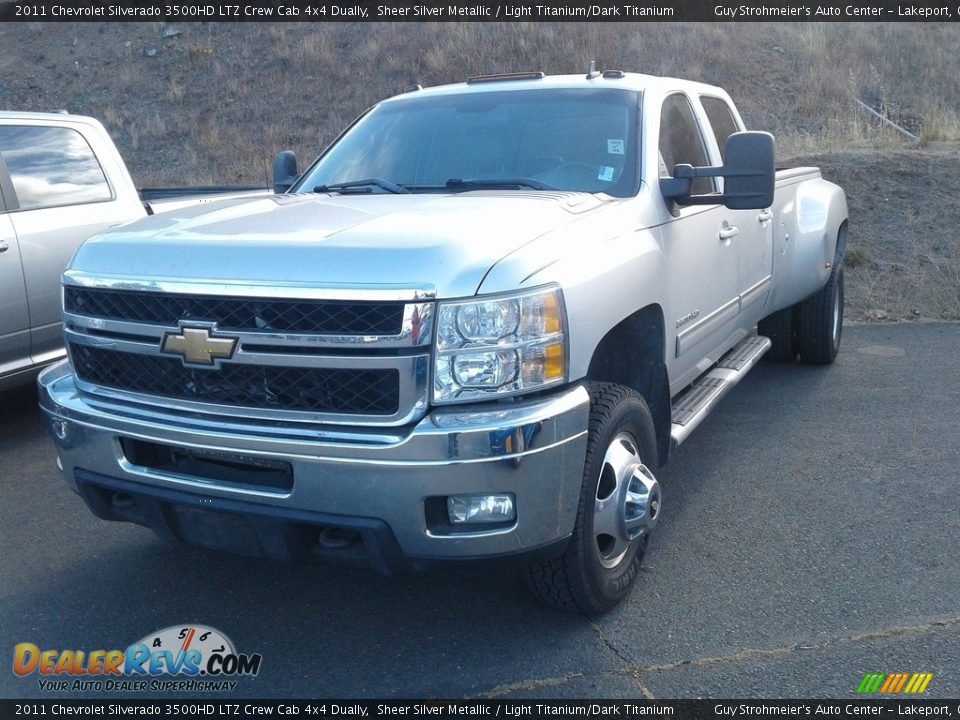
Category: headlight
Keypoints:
(500, 346)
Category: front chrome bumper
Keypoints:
(348, 478)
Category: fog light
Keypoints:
(480, 508)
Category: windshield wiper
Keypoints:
(505, 183)
(360, 184)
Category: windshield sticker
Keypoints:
(615, 147)
(605, 174)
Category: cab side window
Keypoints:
(721, 120)
(51, 167)
(681, 141)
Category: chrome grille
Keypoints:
(314, 389)
(359, 356)
(238, 314)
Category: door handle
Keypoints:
(765, 216)
(729, 231)
(3, 246)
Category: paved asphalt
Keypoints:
(810, 535)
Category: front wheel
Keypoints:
(619, 508)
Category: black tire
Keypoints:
(781, 329)
(579, 581)
(820, 322)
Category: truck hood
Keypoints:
(445, 243)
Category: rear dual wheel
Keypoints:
(811, 328)
(820, 322)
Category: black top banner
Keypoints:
(511, 709)
(472, 10)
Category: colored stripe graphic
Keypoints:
(914, 683)
(901, 681)
(894, 683)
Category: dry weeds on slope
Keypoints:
(216, 101)
(903, 258)
(211, 103)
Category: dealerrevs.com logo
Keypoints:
(183, 658)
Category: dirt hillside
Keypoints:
(200, 103)
(903, 256)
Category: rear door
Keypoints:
(701, 257)
(754, 238)
(14, 318)
(63, 197)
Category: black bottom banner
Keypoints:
(481, 708)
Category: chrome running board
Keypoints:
(692, 407)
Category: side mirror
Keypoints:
(284, 171)
(749, 171)
(748, 175)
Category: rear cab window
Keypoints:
(681, 141)
(722, 121)
(51, 166)
(6, 188)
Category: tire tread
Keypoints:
(780, 328)
(814, 331)
(563, 582)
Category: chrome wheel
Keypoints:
(619, 505)
(627, 501)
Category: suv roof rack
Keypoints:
(505, 76)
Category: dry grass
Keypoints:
(904, 253)
(234, 94)
(215, 103)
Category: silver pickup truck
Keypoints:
(473, 328)
(61, 180)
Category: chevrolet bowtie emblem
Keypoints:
(196, 346)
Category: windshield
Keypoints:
(564, 139)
